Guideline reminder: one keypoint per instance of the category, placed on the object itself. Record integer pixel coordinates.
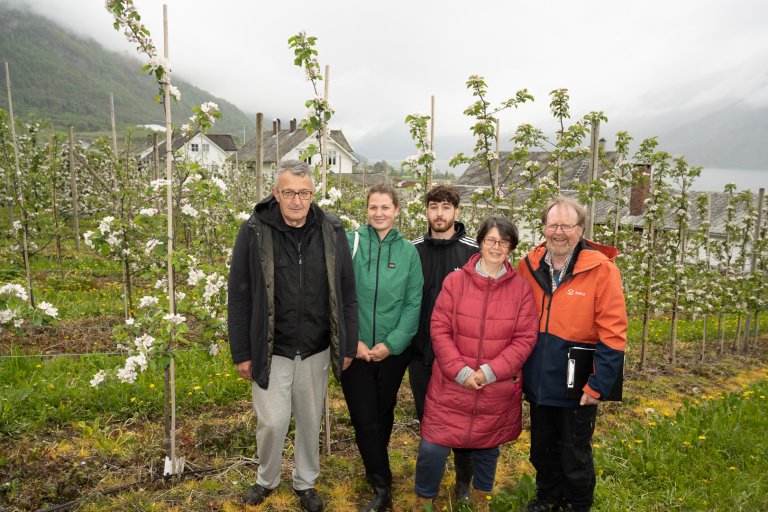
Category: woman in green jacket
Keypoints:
(389, 284)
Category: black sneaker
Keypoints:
(310, 500)
(256, 494)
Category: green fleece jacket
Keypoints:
(389, 284)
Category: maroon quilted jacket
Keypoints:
(479, 320)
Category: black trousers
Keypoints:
(561, 452)
(370, 389)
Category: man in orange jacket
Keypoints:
(578, 292)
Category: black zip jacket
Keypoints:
(286, 304)
(438, 259)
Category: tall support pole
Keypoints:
(18, 190)
(324, 135)
(753, 267)
(594, 148)
(498, 160)
(173, 466)
(114, 127)
(73, 187)
(259, 156)
(432, 139)
(54, 203)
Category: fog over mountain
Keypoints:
(690, 72)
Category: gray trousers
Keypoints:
(294, 385)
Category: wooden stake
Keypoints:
(172, 468)
(594, 147)
(114, 133)
(54, 206)
(324, 135)
(753, 268)
(498, 159)
(431, 141)
(73, 188)
(259, 156)
(17, 186)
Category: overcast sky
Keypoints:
(636, 61)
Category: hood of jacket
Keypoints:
(469, 268)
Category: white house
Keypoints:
(281, 144)
(209, 150)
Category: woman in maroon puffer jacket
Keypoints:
(484, 327)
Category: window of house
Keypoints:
(331, 157)
(193, 147)
(206, 147)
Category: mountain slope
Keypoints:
(60, 76)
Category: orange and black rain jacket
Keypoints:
(587, 309)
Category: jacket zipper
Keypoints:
(301, 295)
(479, 355)
(376, 294)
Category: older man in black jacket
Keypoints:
(292, 314)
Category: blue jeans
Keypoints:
(430, 466)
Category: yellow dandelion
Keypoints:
(38, 365)
(151, 386)
(686, 443)
(732, 468)
(197, 388)
(639, 441)
(133, 399)
(652, 423)
(595, 445)
(702, 438)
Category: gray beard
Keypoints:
(560, 252)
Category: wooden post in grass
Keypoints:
(324, 136)
(156, 167)
(73, 187)
(594, 148)
(259, 156)
(497, 191)
(17, 188)
(431, 142)
(753, 269)
(173, 465)
(707, 256)
(54, 205)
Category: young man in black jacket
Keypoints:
(444, 248)
(292, 314)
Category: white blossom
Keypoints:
(87, 237)
(175, 93)
(213, 349)
(130, 321)
(195, 275)
(149, 212)
(15, 289)
(105, 225)
(98, 378)
(144, 342)
(243, 216)
(148, 300)
(149, 246)
(48, 309)
(219, 183)
(6, 316)
(188, 209)
(158, 184)
(161, 284)
(176, 319)
(18, 323)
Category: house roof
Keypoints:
(576, 171)
(224, 141)
(284, 142)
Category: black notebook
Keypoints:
(580, 367)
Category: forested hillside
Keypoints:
(60, 76)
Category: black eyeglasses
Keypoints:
(567, 228)
(290, 194)
(491, 242)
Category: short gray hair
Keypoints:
(295, 167)
(581, 213)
